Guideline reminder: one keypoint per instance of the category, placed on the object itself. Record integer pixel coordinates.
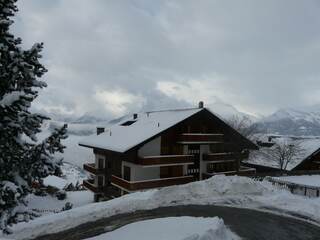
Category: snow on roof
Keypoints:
(130, 132)
(55, 181)
(263, 157)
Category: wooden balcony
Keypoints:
(227, 173)
(246, 171)
(91, 168)
(166, 160)
(89, 184)
(223, 156)
(131, 186)
(200, 138)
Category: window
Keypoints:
(100, 163)
(128, 123)
(109, 163)
(100, 181)
(126, 173)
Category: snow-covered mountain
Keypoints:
(227, 111)
(89, 118)
(293, 122)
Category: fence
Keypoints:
(46, 210)
(299, 189)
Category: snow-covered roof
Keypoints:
(120, 138)
(263, 157)
(55, 181)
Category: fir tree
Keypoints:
(23, 161)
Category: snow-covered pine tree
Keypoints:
(23, 161)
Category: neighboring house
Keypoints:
(307, 159)
(163, 148)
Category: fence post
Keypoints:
(318, 192)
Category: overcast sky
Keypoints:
(114, 57)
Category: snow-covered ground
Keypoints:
(73, 174)
(172, 228)
(220, 190)
(309, 180)
(72, 170)
(49, 204)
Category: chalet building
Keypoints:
(308, 158)
(163, 148)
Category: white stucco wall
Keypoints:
(152, 148)
(139, 173)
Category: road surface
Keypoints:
(248, 224)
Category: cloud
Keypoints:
(192, 91)
(118, 101)
(257, 56)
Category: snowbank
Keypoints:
(219, 190)
(50, 204)
(172, 228)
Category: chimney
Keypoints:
(135, 115)
(201, 104)
(100, 130)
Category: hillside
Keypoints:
(292, 122)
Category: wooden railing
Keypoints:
(91, 167)
(147, 184)
(201, 137)
(245, 171)
(89, 184)
(227, 173)
(224, 156)
(165, 159)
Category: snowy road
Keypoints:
(248, 224)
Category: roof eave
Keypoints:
(103, 149)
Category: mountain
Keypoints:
(227, 111)
(291, 121)
(89, 118)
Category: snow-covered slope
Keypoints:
(73, 153)
(227, 111)
(293, 122)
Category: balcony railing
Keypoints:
(89, 184)
(166, 160)
(91, 167)
(201, 138)
(147, 184)
(227, 173)
(224, 156)
(246, 171)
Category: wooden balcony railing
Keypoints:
(201, 137)
(246, 171)
(89, 184)
(166, 160)
(147, 184)
(224, 156)
(227, 173)
(91, 168)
